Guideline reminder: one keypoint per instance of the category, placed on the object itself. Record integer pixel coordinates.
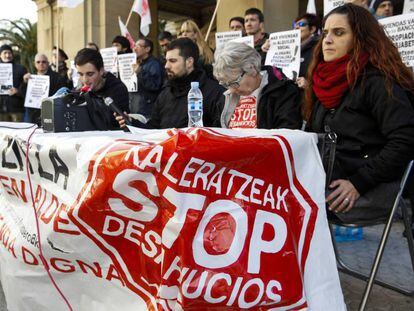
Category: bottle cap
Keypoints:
(194, 84)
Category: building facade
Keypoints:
(97, 20)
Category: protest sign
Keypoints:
(329, 5)
(249, 40)
(37, 90)
(408, 6)
(159, 220)
(400, 29)
(109, 56)
(223, 37)
(6, 78)
(284, 52)
(127, 74)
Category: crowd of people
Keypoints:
(352, 82)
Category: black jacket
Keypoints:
(306, 55)
(375, 131)
(258, 47)
(279, 103)
(15, 103)
(101, 115)
(150, 80)
(170, 109)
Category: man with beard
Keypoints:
(170, 108)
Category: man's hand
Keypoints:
(121, 120)
(266, 46)
(26, 77)
(12, 91)
(343, 198)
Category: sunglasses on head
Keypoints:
(233, 84)
(300, 24)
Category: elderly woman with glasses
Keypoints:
(255, 99)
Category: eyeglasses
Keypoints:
(300, 24)
(233, 84)
(41, 62)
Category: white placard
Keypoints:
(223, 37)
(109, 56)
(249, 40)
(6, 78)
(126, 71)
(37, 90)
(329, 5)
(408, 6)
(74, 74)
(284, 52)
(400, 29)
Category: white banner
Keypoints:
(74, 74)
(284, 52)
(37, 90)
(223, 37)
(158, 220)
(110, 56)
(408, 6)
(329, 5)
(249, 40)
(127, 74)
(69, 3)
(6, 78)
(400, 29)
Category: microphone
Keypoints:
(61, 92)
(109, 102)
(85, 89)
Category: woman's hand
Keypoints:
(301, 82)
(343, 198)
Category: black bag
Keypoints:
(374, 204)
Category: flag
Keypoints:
(311, 8)
(69, 3)
(142, 8)
(125, 33)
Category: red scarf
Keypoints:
(330, 81)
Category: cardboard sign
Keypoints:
(400, 30)
(329, 5)
(37, 90)
(408, 6)
(126, 71)
(159, 220)
(284, 52)
(6, 78)
(110, 56)
(249, 40)
(223, 37)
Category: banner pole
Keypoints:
(129, 17)
(212, 20)
(57, 39)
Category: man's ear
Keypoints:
(189, 62)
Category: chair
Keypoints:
(327, 147)
(385, 234)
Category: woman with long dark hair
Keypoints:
(360, 89)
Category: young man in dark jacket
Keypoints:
(11, 103)
(150, 76)
(170, 108)
(255, 99)
(99, 84)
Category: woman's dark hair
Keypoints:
(370, 37)
(312, 19)
(91, 56)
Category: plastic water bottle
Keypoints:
(347, 234)
(195, 106)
